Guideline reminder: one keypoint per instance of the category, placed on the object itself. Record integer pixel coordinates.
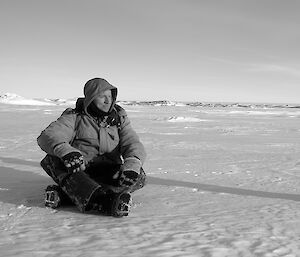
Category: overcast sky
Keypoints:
(185, 50)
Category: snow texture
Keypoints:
(225, 185)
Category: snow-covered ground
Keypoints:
(14, 99)
(222, 182)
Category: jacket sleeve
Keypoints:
(56, 138)
(130, 144)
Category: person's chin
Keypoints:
(106, 109)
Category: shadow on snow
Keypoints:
(223, 189)
(23, 187)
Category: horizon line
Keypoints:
(162, 100)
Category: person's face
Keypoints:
(104, 101)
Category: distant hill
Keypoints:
(10, 98)
(210, 105)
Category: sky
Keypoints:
(177, 50)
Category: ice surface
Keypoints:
(228, 185)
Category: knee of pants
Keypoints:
(54, 168)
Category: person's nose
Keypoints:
(107, 100)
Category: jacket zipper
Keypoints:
(102, 138)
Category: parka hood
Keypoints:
(93, 88)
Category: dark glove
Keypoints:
(130, 171)
(74, 162)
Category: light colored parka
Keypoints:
(98, 140)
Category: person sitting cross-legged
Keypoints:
(93, 153)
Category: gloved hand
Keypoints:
(129, 171)
(74, 162)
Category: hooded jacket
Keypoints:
(96, 138)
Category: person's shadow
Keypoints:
(23, 187)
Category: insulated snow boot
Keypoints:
(56, 197)
(53, 196)
(121, 204)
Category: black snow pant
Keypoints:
(95, 180)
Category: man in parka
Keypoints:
(93, 154)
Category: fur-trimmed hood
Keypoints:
(93, 88)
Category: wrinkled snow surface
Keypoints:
(222, 182)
